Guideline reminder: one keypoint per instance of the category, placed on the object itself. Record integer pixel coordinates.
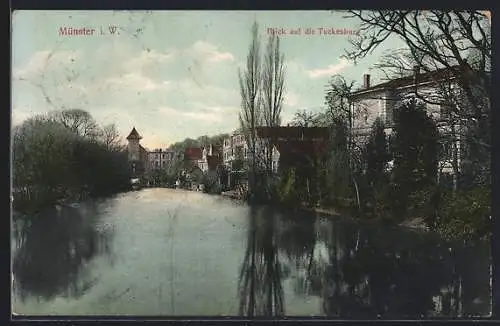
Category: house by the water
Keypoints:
(430, 87)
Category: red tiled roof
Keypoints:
(423, 77)
(193, 153)
(134, 135)
(306, 148)
(293, 132)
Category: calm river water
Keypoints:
(172, 252)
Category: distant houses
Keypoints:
(232, 155)
(236, 153)
(161, 158)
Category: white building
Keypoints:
(379, 101)
(161, 158)
(206, 152)
(236, 148)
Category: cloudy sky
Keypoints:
(173, 74)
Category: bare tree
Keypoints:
(304, 118)
(436, 39)
(338, 100)
(110, 137)
(78, 121)
(250, 87)
(459, 41)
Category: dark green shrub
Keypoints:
(466, 214)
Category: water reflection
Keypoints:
(53, 249)
(292, 263)
(260, 286)
(360, 271)
(397, 274)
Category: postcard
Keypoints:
(251, 163)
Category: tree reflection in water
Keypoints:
(297, 240)
(400, 274)
(260, 285)
(53, 247)
(361, 271)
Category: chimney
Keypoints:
(366, 81)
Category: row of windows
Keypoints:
(385, 112)
(163, 156)
(158, 163)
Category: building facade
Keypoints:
(161, 158)
(380, 101)
(236, 152)
(137, 155)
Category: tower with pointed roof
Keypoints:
(137, 155)
(134, 145)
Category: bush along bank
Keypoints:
(57, 161)
(394, 179)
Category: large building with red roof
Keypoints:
(204, 158)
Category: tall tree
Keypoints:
(273, 88)
(250, 82)
(338, 100)
(414, 146)
(377, 153)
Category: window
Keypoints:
(156, 163)
(163, 156)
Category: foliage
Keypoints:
(53, 161)
(305, 118)
(198, 143)
(336, 185)
(377, 151)
(415, 150)
(211, 182)
(337, 99)
(466, 214)
(376, 177)
(287, 191)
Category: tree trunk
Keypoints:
(357, 193)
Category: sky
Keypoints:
(170, 74)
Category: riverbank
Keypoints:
(30, 207)
(415, 224)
